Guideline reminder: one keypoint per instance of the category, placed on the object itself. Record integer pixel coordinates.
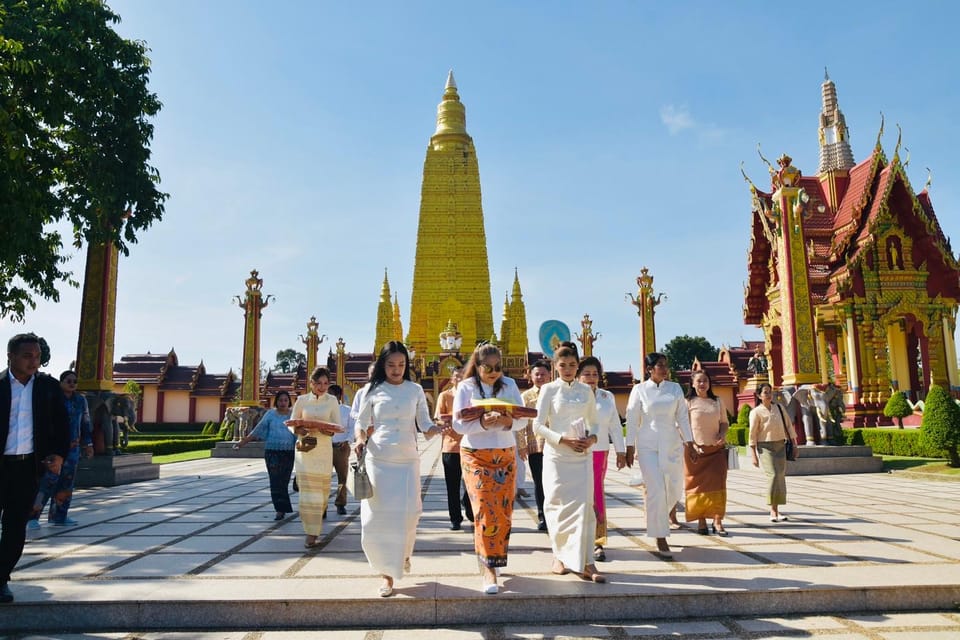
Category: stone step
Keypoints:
(815, 460)
(139, 605)
(225, 450)
(827, 451)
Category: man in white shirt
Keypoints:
(34, 436)
(341, 449)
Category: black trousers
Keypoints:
(453, 474)
(18, 486)
(535, 460)
(341, 461)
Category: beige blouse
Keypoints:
(767, 425)
(708, 419)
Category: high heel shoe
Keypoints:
(663, 549)
(719, 530)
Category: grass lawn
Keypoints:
(929, 466)
(183, 457)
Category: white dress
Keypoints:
(389, 518)
(567, 475)
(313, 467)
(658, 424)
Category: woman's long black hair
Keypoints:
(380, 366)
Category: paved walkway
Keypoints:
(198, 549)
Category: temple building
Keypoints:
(850, 276)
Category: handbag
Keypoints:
(790, 450)
(306, 443)
(733, 458)
(360, 485)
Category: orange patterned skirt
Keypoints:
(490, 478)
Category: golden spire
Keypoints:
(451, 114)
(385, 323)
(451, 275)
(517, 343)
(505, 321)
(397, 325)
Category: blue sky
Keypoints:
(609, 137)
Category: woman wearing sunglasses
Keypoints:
(487, 453)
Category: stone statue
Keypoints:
(757, 365)
(821, 407)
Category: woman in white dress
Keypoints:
(567, 421)
(609, 429)
(488, 457)
(658, 425)
(315, 418)
(391, 411)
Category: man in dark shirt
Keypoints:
(34, 437)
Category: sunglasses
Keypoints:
(491, 367)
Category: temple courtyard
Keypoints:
(198, 552)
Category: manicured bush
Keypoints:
(897, 407)
(940, 428)
(210, 429)
(743, 416)
(169, 427)
(737, 435)
(165, 447)
(142, 437)
(892, 442)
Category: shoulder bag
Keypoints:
(360, 485)
(791, 450)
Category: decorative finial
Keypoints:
(926, 187)
(826, 75)
(753, 187)
(906, 162)
(770, 168)
(880, 133)
(451, 83)
(896, 149)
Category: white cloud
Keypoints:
(676, 119)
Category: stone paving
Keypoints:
(198, 549)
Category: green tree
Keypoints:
(940, 427)
(897, 407)
(289, 359)
(743, 416)
(682, 350)
(74, 135)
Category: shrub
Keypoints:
(891, 442)
(166, 447)
(169, 427)
(897, 407)
(737, 435)
(743, 416)
(940, 427)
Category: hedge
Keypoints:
(737, 435)
(170, 427)
(139, 437)
(892, 442)
(168, 446)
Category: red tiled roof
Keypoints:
(848, 213)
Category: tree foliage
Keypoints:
(940, 427)
(682, 350)
(897, 407)
(289, 359)
(74, 136)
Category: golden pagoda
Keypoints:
(386, 320)
(451, 276)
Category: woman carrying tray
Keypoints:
(487, 454)
(315, 417)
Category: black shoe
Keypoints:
(324, 515)
(296, 486)
(542, 525)
(455, 526)
(341, 510)
(5, 594)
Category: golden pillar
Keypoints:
(341, 373)
(312, 342)
(98, 319)
(253, 303)
(588, 337)
(646, 302)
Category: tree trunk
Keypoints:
(900, 422)
(954, 458)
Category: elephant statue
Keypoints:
(112, 416)
(821, 408)
(240, 421)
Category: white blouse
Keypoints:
(395, 411)
(474, 435)
(559, 405)
(657, 416)
(608, 423)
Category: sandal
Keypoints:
(718, 530)
(311, 542)
(558, 568)
(599, 554)
(663, 549)
(703, 531)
